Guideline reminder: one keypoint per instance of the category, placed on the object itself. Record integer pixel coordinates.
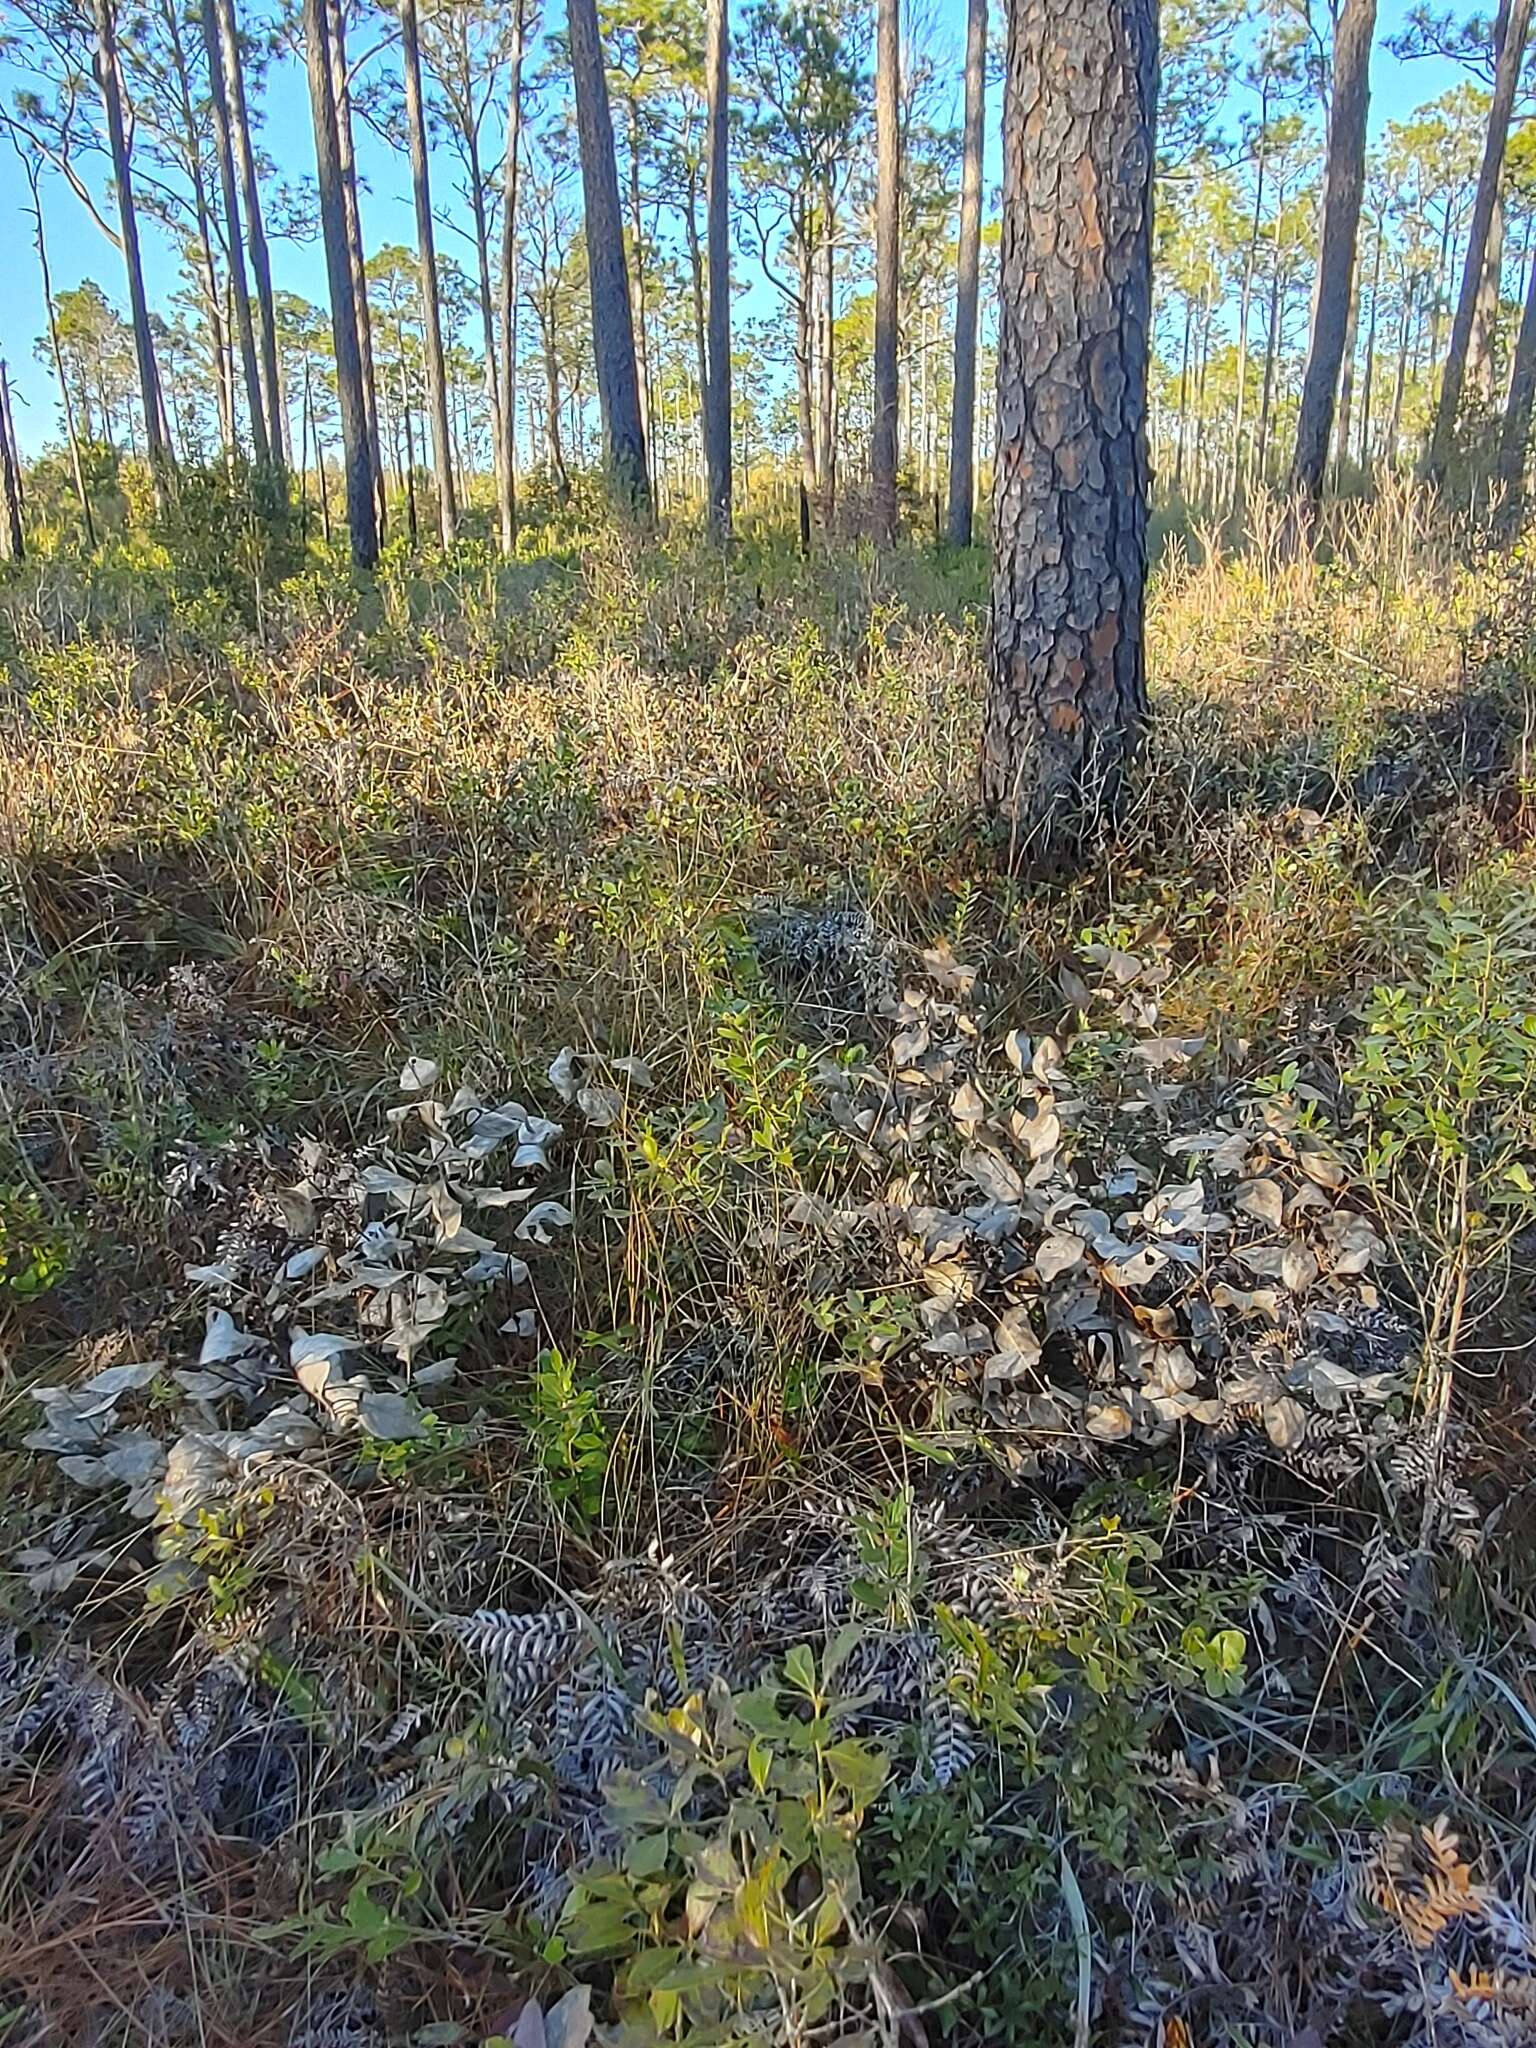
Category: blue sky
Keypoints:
(77, 248)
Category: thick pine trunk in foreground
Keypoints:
(1514, 27)
(1066, 698)
(357, 448)
(613, 327)
(882, 459)
(431, 317)
(717, 172)
(962, 419)
(1343, 187)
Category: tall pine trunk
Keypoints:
(1343, 187)
(56, 352)
(717, 172)
(1514, 26)
(255, 231)
(882, 453)
(15, 546)
(109, 84)
(1346, 404)
(485, 298)
(192, 142)
(1482, 368)
(218, 103)
(357, 435)
(1245, 303)
(507, 283)
(613, 329)
(962, 415)
(1066, 697)
(1515, 436)
(1368, 385)
(432, 321)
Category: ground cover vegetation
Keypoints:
(626, 1369)
(765, 1277)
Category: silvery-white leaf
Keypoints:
(1123, 1181)
(1329, 1385)
(206, 1386)
(1285, 1422)
(331, 1390)
(317, 1347)
(565, 1071)
(994, 1222)
(1174, 1371)
(1267, 1259)
(1016, 1333)
(968, 1105)
(465, 1242)
(494, 1265)
(530, 1159)
(568, 2023)
(1110, 1423)
(1263, 1199)
(134, 1456)
(391, 1418)
(280, 1432)
(492, 1127)
(103, 1389)
(499, 1198)
(222, 1274)
(1178, 1211)
(225, 1340)
(1165, 1052)
(524, 1323)
(1229, 1155)
(540, 1130)
(384, 1180)
(87, 1472)
(437, 1374)
(910, 1045)
(415, 1311)
(542, 1220)
(634, 1070)
(1131, 1265)
(599, 1105)
(529, 2030)
(302, 1264)
(1354, 1243)
(1319, 1164)
(1057, 1255)
(991, 1173)
(1298, 1267)
(418, 1074)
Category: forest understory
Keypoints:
(644, 1399)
